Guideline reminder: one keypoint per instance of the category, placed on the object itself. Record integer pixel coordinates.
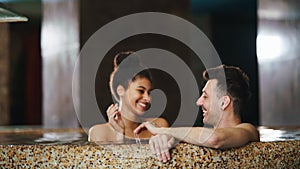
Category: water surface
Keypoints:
(32, 135)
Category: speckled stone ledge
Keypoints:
(283, 154)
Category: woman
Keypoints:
(130, 84)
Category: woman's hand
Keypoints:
(115, 120)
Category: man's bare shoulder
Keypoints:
(247, 126)
(251, 129)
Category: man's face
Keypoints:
(210, 103)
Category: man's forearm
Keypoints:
(193, 135)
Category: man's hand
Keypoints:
(148, 125)
(160, 145)
(115, 120)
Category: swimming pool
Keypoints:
(33, 146)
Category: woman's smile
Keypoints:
(138, 96)
(143, 105)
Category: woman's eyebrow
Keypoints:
(141, 87)
(144, 88)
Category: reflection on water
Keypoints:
(60, 138)
(126, 141)
(279, 134)
(37, 135)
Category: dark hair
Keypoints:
(237, 84)
(127, 67)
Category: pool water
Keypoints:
(36, 135)
(279, 133)
(31, 135)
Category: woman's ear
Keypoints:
(226, 102)
(120, 90)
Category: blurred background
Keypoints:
(37, 57)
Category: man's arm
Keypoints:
(233, 136)
(214, 138)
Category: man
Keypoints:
(223, 100)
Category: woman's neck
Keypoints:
(130, 124)
(129, 127)
(131, 120)
(129, 116)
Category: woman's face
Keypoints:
(137, 96)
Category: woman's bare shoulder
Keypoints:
(97, 127)
(161, 122)
(99, 132)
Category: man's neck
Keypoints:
(229, 119)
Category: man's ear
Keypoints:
(226, 102)
(120, 90)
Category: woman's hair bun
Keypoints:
(127, 66)
(120, 57)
